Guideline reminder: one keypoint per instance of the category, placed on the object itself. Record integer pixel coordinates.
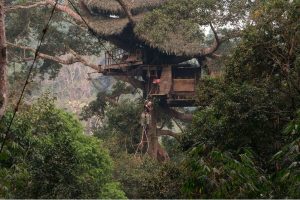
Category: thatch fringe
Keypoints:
(112, 7)
(109, 26)
(175, 44)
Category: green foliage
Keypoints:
(99, 106)
(269, 46)
(216, 174)
(123, 115)
(242, 115)
(185, 17)
(287, 162)
(96, 107)
(236, 146)
(140, 177)
(146, 178)
(62, 34)
(121, 127)
(252, 107)
(48, 156)
(233, 117)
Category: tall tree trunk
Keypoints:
(152, 134)
(3, 62)
(155, 150)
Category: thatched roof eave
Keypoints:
(112, 7)
(106, 27)
(175, 45)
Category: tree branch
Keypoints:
(168, 133)
(82, 60)
(17, 7)
(63, 8)
(177, 124)
(178, 115)
(162, 125)
(132, 81)
(127, 11)
(75, 58)
(210, 50)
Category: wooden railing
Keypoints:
(114, 56)
(119, 56)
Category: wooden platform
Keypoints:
(181, 102)
(121, 65)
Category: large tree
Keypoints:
(167, 32)
(131, 25)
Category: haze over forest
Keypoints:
(149, 99)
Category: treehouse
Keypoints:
(174, 84)
(157, 65)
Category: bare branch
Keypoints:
(69, 61)
(17, 7)
(82, 60)
(63, 8)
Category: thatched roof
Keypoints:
(113, 7)
(109, 26)
(175, 43)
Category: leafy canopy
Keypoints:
(50, 157)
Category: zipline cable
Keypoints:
(28, 76)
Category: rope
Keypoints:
(147, 140)
(141, 144)
(28, 76)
